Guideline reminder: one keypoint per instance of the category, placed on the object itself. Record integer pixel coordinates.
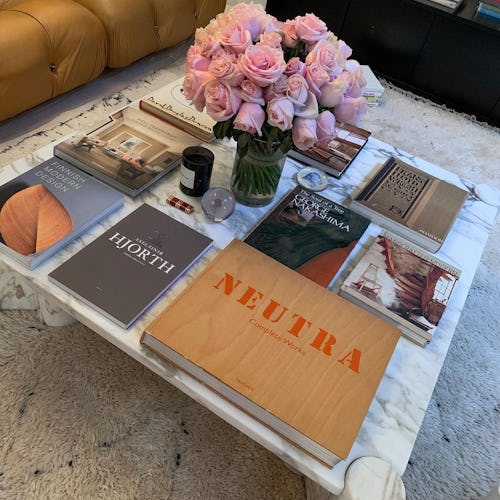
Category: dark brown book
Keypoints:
(410, 202)
(335, 158)
(300, 359)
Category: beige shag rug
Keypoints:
(81, 420)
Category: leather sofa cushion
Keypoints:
(135, 28)
(38, 40)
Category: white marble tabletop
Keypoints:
(391, 426)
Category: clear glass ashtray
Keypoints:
(218, 203)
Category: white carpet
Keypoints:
(80, 419)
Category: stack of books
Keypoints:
(374, 91)
(450, 6)
(402, 284)
(488, 13)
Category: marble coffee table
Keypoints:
(391, 426)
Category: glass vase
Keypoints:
(257, 171)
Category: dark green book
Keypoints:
(310, 234)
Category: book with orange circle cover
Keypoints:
(49, 205)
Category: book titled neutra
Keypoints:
(298, 358)
(123, 271)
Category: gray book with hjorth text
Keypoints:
(123, 271)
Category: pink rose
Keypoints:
(250, 17)
(354, 77)
(325, 55)
(216, 24)
(295, 65)
(304, 133)
(290, 37)
(325, 127)
(250, 118)
(310, 28)
(205, 43)
(235, 37)
(226, 68)
(194, 87)
(221, 101)
(262, 64)
(276, 89)
(309, 109)
(316, 77)
(249, 92)
(350, 110)
(271, 39)
(280, 113)
(297, 89)
(196, 61)
(344, 49)
(332, 92)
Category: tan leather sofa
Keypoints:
(48, 47)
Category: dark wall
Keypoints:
(446, 57)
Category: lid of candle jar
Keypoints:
(218, 203)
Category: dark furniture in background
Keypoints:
(448, 58)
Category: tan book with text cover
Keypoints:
(298, 358)
(410, 202)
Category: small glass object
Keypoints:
(312, 178)
(218, 203)
(196, 170)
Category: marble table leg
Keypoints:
(51, 314)
(494, 494)
(16, 293)
(366, 477)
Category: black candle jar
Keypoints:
(196, 170)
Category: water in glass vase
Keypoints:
(256, 172)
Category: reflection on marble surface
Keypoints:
(394, 418)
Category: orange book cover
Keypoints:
(295, 356)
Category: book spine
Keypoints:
(376, 181)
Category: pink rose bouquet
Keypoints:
(273, 83)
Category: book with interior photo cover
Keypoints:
(334, 158)
(310, 234)
(126, 269)
(296, 357)
(169, 104)
(49, 205)
(130, 152)
(404, 284)
(410, 202)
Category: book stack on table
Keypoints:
(374, 90)
(488, 13)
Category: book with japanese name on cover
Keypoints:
(334, 158)
(48, 206)
(410, 202)
(124, 270)
(404, 284)
(130, 152)
(169, 104)
(296, 357)
(310, 234)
